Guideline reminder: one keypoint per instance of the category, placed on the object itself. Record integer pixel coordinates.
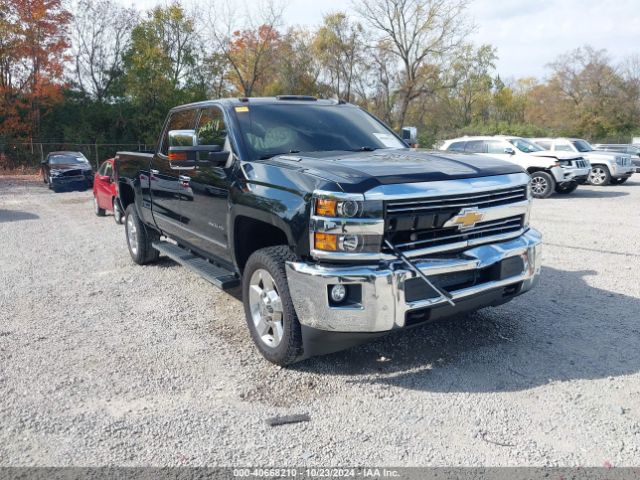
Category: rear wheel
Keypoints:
(542, 184)
(96, 207)
(566, 188)
(140, 238)
(599, 175)
(271, 317)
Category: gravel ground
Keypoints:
(103, 362)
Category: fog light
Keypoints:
(338, 293)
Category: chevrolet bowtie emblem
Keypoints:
(466, 218)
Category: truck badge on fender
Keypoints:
(465, 219)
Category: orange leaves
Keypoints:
(34, 33)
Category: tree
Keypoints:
(101, 34)
(33, 40)
(418, 33)
(160, 66)
(248, 44)
(339, 46)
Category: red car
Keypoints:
(104, 192)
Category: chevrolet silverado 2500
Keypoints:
(335, 229)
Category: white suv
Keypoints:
(606, 167)
(549, 171)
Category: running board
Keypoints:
(216, 274)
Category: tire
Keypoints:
(96, 208)
(599, 175)
(566, 188)
(140, 238)
(118, 214)
(619, 181)
(542, 184)
(269, 311)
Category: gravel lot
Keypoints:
(106, 362)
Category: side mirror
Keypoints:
(509, 151)
(182, 138)
(410, 136)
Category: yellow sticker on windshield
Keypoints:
(242, 109)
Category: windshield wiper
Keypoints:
(271, 155)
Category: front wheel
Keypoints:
(271, 317)
(619, 181)
(140, 238)
(599, 175)
(542, 184)
(566, 188)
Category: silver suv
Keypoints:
(606, 167)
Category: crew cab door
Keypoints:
(206, 217)
(167, 189)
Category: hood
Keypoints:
(558, 155)
(63, 167)
(603, 155)
(360, 171)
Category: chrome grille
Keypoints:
(581, 163)
(444, 236)
(493, 198)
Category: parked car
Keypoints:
(327, 219)
(606, 167)
(66, 169)
(549, 172)
(632, 150)
(105, 196)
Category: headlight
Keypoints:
(356, 207)
(343, 223)
(564, 163)
(54, 173)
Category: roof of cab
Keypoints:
(248, 101)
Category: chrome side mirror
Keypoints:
(183, 138)
(410, 136)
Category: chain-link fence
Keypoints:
(28, 156)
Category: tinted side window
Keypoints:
(495, 146)
(182, 120)
(475, 146)
(563, 147)
(456, 147)
(108, 170)
(211, 129)
(103, 167)
(546, 144)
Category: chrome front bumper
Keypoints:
(383, 306)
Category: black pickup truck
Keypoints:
(337, 230)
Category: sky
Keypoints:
(527, 33)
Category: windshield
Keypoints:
(66, 159)
(272, 129)
(582, 145)
(525, 145)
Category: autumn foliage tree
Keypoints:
(33, 45)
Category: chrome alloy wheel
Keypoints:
(132, 235)
(266, 308)
(539, 185)
(597, 176)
